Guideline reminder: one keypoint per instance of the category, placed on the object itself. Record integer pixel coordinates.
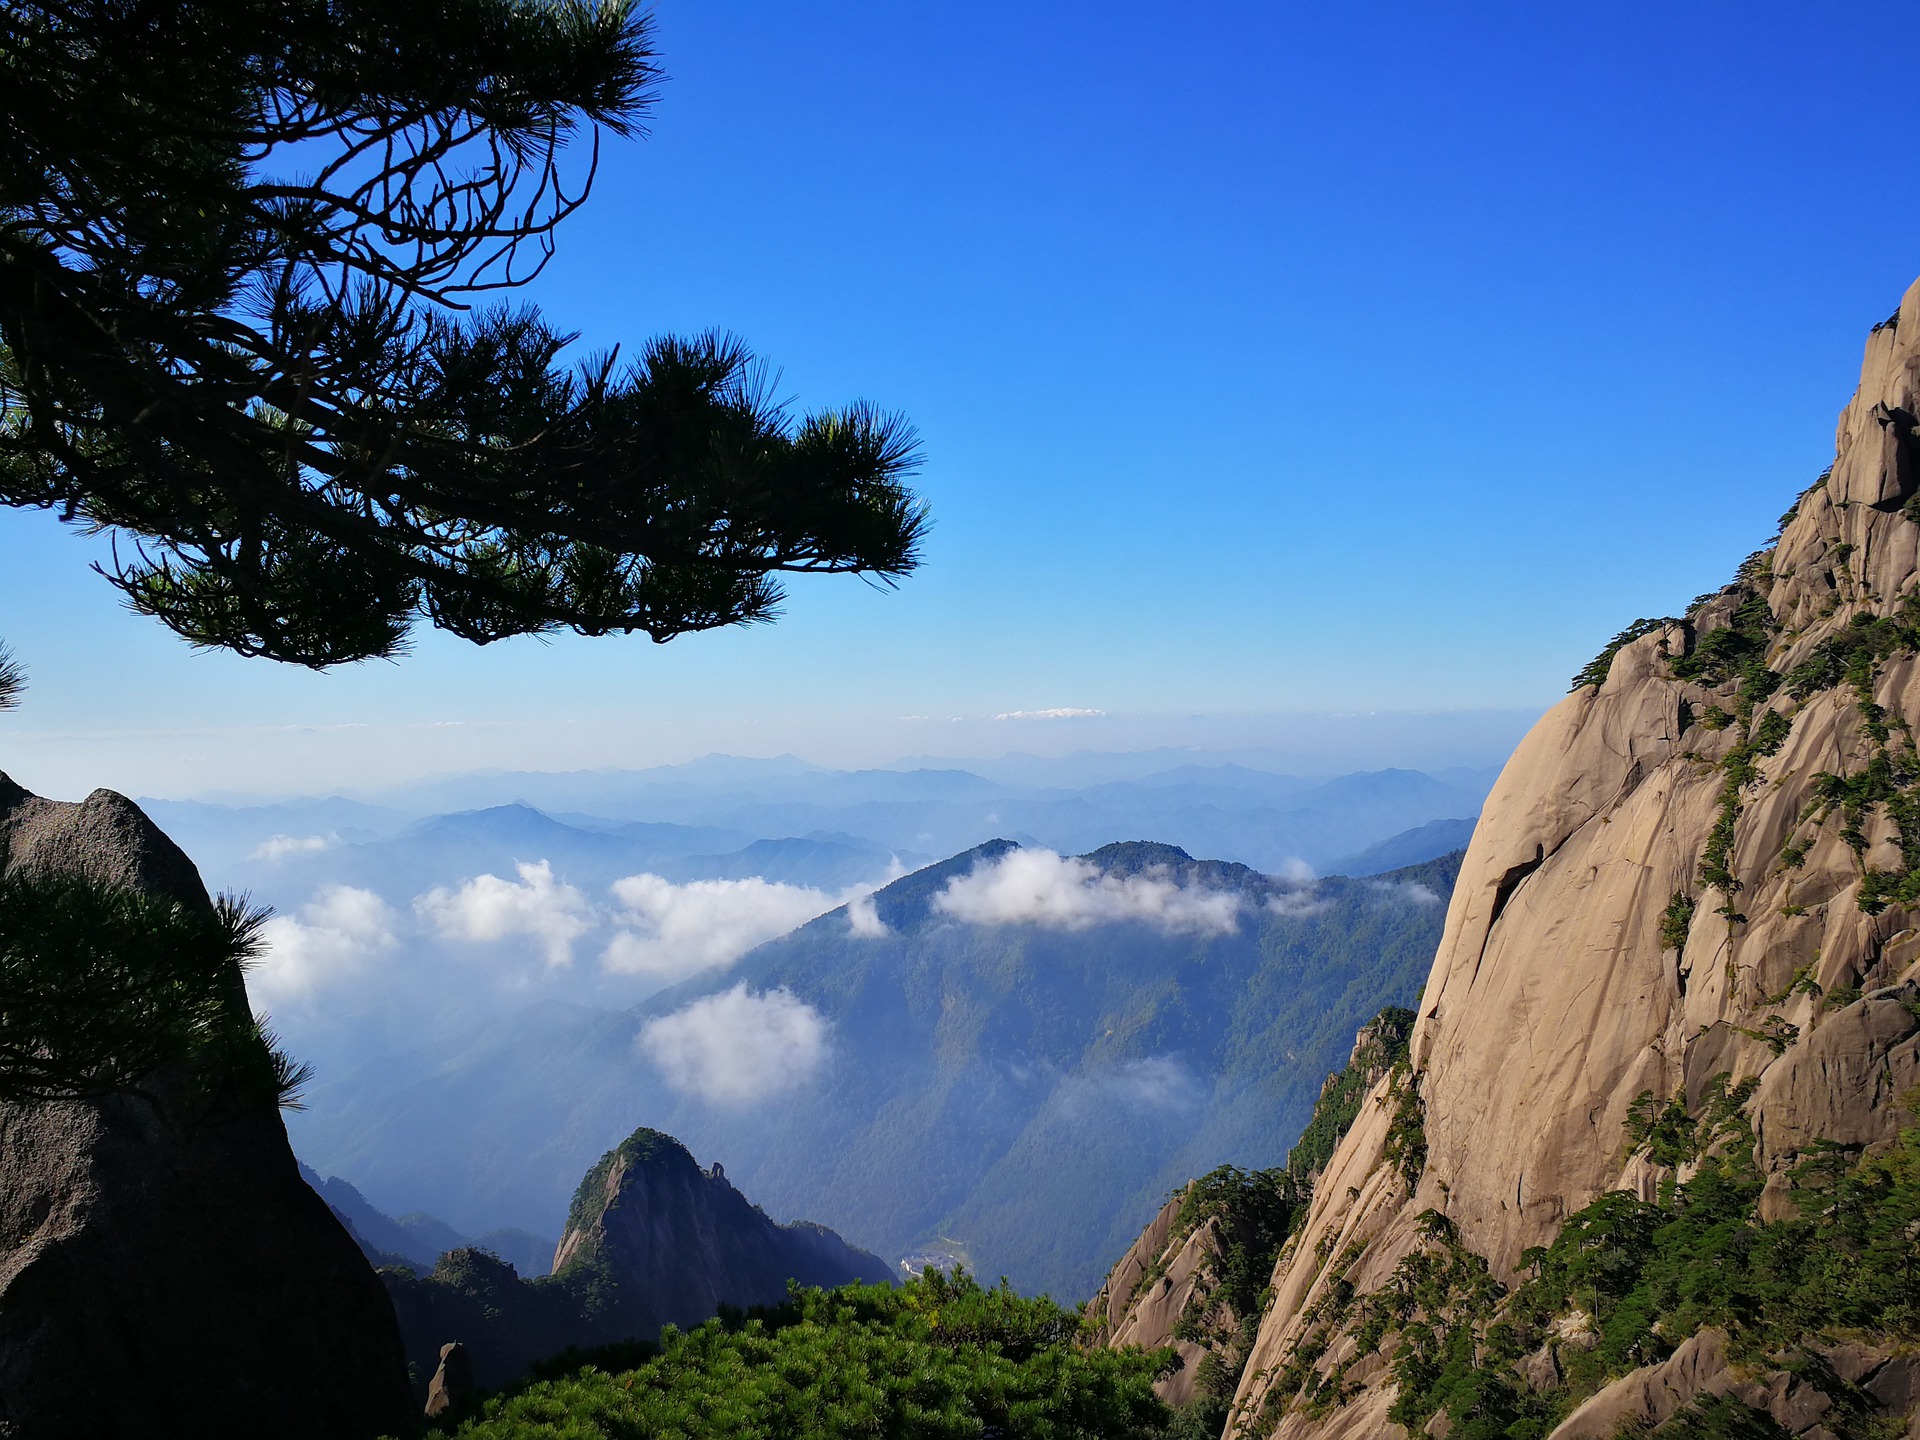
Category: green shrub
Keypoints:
(1388, 1035)
(1676, 921)
(1406, 1147)
(936, 1358)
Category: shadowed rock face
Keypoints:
(162, 1281)
(678, 1241)
(1555, 997)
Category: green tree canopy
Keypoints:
(249, 256)
(939, 1358)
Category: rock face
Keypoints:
(1181, 1284)
(679, 1242)
(452, 1385)
(161, 1280)
(1691, 868)
(1162, 1273)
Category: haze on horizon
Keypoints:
(1330, 385)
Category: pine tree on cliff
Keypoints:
(252, 255)
(251, 260)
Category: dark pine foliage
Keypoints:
(939, 1357)
(1594, 673)
(102, 987)
(13, 679)
(241, 243)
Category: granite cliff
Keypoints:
(1195, 1278)
(163, 1268)
(1678, 982)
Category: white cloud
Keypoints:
(737, 1047)
(670, 931)
(279, 847)
(1059, 712)
(1411, 891)
(331, 939)
(489, 908)
(1296, 903)
(1038, 887)
(1160, 1083)
(863, 919)
(1295, 870)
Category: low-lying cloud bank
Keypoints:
(670, 931)
(737, 1047)
(527, 930)
(487, 908)
(334, 937)
(1062, 892)
(280, 847)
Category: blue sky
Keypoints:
(1269, 359)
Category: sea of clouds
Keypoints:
(350, 971)
(512, 939)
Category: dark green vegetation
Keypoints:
(240, 241)
(940, 1357)
(1676, 922)
(1647, 1276)
(1382, 1047)
(1594, 674)
(13, 679)
(103, 987)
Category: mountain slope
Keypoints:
(1409, 847)
(418, 1240)
(1673, 1009)
(1021, 1096)
(1194, 1278)
(1024, 1095)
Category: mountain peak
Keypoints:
(693, 1241)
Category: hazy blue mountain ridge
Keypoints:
(1409, 847)
(1017, 1095)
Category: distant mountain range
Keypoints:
(470, 964)
(417, 1240)
(1008, 1058)
(715, 807)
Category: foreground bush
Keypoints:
(939, 1357)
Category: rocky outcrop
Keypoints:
(1166, 1271)
(678, 1242)
(651, 1240)
(503, 1324)
(161, 1276)
(452, 1386)
(1701, 864)
(1190, 1281)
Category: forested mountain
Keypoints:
(1008, 1058)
